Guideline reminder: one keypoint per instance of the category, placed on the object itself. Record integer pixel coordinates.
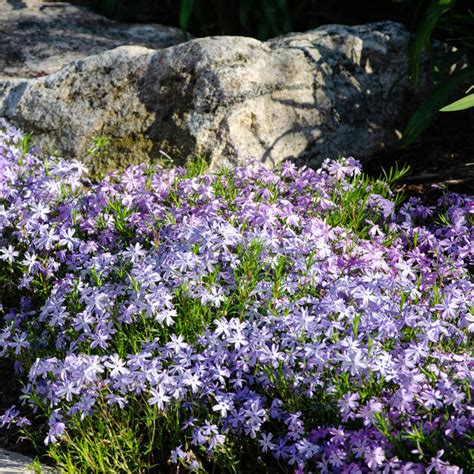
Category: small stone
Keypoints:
(13, 463)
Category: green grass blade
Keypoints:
(424, 115)
(436, 9)
(185, 9)
(461, 104)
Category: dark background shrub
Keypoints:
(258, 18)
(264, 18)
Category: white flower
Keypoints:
(8, 254)
(158, 398)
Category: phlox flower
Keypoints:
(158, 398)
(8, 254)
(245, 304)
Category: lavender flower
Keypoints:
(245, 310)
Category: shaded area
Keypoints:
(17, 4)
(337, 127)
(11, 438)
(442, 161)
(263, 19)
(38, 39)
(10, 390)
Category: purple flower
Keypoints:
(374, 457)
(158, 398)
(244, 306)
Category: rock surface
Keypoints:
(39, 37)
(13, 463)
(336, 90)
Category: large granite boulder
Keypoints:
(336, 90)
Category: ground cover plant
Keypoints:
(293, 320)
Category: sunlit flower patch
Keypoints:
(294, 320)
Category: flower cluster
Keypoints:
(305, 317)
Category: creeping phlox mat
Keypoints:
(290, 320)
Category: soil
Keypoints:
(442, 161)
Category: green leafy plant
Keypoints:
(256, 18)
(261, 18)
(461, 104)
(422, 38)
(185, 11)
(453, 23)
(425, 114)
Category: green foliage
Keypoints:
(35, 467)
(196, 167)
(453, 22)
(114, 439)
(185, 10)
(421, 39)
(352, 208)
(461, 104)
(99, 146)
(424, 115)
(257, 18)
(261, 18)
